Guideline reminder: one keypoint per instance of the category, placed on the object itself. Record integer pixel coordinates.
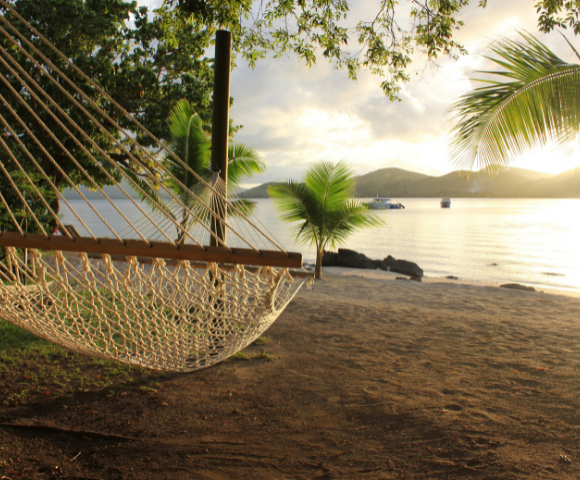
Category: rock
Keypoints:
(380, 264)
(352, 259)
(347, 258)
(414, 279)
(400, 266)
(451, 277)
(329, 259)
(405, 267)
(517, 286)
(389, 261)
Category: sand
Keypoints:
(366, 378)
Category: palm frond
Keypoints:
(502, 120)
(322, 206)
(297, 203)
(243, 162)
(191, 144)
(351, 217)
(333, 183)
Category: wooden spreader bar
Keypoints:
(223, 266)
(139, 248)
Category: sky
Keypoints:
(293, 115)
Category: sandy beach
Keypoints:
(362, 378)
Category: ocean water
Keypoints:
(531, 241)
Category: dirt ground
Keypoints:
(359, 379)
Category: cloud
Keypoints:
(294, 115)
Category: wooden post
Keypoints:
(220, 127)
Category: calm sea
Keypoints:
(535, 242)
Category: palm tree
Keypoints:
(538, 104)
(192, 145)
(323, 206)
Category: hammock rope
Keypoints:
(160, 279)
(130, 117)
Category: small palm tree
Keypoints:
(323, 206)
(539, 103)
(192, 145)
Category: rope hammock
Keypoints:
(174, 282)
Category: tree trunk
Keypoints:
(318, 268)
(181, 233)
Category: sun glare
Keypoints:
(548, 160)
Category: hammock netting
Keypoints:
(165, 278)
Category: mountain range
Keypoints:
(399, 183)
(512, 183)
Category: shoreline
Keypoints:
(389, 277)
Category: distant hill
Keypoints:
(388, 182)
(257, 192)
(564, 185)
(512, 183)
(392, 182)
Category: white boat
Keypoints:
(445, 202)
(380, 203)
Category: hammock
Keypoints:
(159, 280)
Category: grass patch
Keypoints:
(32, 369)
(240, 356)
(145, 388)
(263, 355)
(14, 338)
(263, 340)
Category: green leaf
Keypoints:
(534, 102)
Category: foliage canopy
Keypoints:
(382, 44)
(145, 63)
(550, 11)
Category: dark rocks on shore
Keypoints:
(414, 279)
(381, 265)
(347, 258)
(352, 259)
(517, 286)
(389, 260)
(406, 268)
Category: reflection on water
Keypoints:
(488, 240)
